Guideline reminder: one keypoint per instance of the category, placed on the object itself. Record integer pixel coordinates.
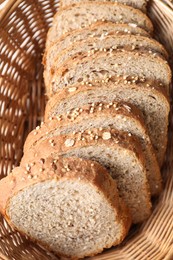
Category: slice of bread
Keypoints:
(71, 206)
(120, 153)
(142, 4)
(96, 29)
(101, 65)
(107, 43)
(117, 115)
(150, 99)
(83, 14)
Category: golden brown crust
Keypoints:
(88, 111)
(64, 169)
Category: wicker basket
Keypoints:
(23, 28)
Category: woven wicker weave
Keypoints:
(23, 28)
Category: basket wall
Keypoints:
(23, 28)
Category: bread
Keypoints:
(83, 14)
(72, 206)
(117, 151)
(97, 32)
(136, 4)
(117, 115)
(110, 42)
(101, 65)
(96, 29)
(149, 98)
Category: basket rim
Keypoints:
(7, 9)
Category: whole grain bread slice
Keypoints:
(120, 153)
(117, 115)
(83, 14)
(141, 5)
(101, 65)
(106, 43)
(80, 212)
(96, 29)
(150, 99)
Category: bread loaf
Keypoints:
(101, 65)
(117, 151)
(71, 206)
(149, 98)
(118, 115)
(83, 14)
(107, 43)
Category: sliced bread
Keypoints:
(120, 153)
(83, 14)
(150, 99)
(114, 42)
(72, 207)
(142, 4)
(116, 115)
(101, 65)
(96, 29)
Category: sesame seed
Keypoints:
(38, 127)
(40, 170)
(29, 176)
(50, 118)
(69, 142)
(35, 132)
(92, 164)
(106, 136)
(129, 134)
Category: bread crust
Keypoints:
(88, 171)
